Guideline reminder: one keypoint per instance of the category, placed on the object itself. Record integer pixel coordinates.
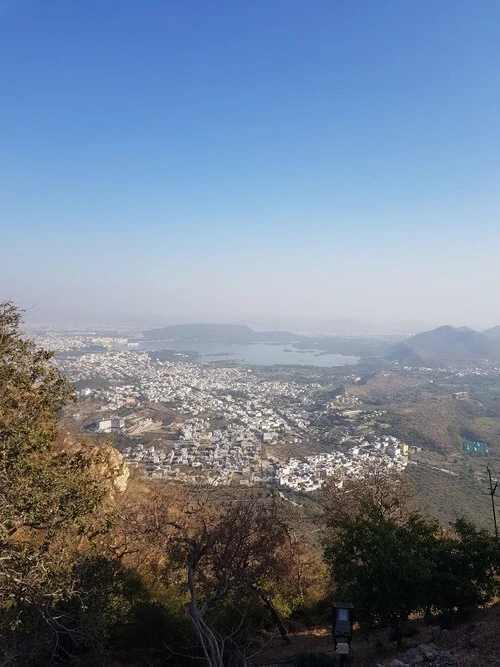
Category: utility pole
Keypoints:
(492, 494)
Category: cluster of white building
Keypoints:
(309, 473)
(231, 421)
(195, 389)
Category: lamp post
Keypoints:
(342, 630)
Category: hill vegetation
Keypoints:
(448, 345)
(97, 566)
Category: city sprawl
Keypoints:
(224, 424)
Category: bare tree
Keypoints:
(231, 546)
(382, 487)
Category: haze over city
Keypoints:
(276, 163)
(249, 333)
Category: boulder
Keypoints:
(436, 632)
(411, 654)
(428, 651)
(447, 658)
(413, 657)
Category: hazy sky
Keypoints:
(232, 160)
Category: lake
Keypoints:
(262, 354)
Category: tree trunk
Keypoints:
(203, 633)
(399, 627)
(273, 611)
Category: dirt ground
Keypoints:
(475, 642)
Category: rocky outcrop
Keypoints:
(106, 461)
(113, 468)
(425, 655)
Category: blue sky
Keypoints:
(246, 160)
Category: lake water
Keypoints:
(262, 354)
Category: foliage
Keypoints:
(382, 565)
(390, 563)
(51, 503)
(466, 565)
(232, 550)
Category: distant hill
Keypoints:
(446, 346)
(494, 332)
(221, 333)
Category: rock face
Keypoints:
(105, 460)
(411, 654)
(114, 469)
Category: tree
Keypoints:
(51, 500)
(383, 488)
(376, 547)
(466, 567)
(232, 548)
(391, 561)
(382, 565)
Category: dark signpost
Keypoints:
(342, 630)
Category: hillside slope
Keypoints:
(447, 345)
(494, 333)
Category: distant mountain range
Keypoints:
(443, 346)
(220, 333)
(448, 345)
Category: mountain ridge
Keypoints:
(226, 333)
(493, 332)
(446, 345)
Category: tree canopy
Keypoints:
(49, 499)
(390, 561)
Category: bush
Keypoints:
(466, 564)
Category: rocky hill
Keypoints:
(448, 345)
